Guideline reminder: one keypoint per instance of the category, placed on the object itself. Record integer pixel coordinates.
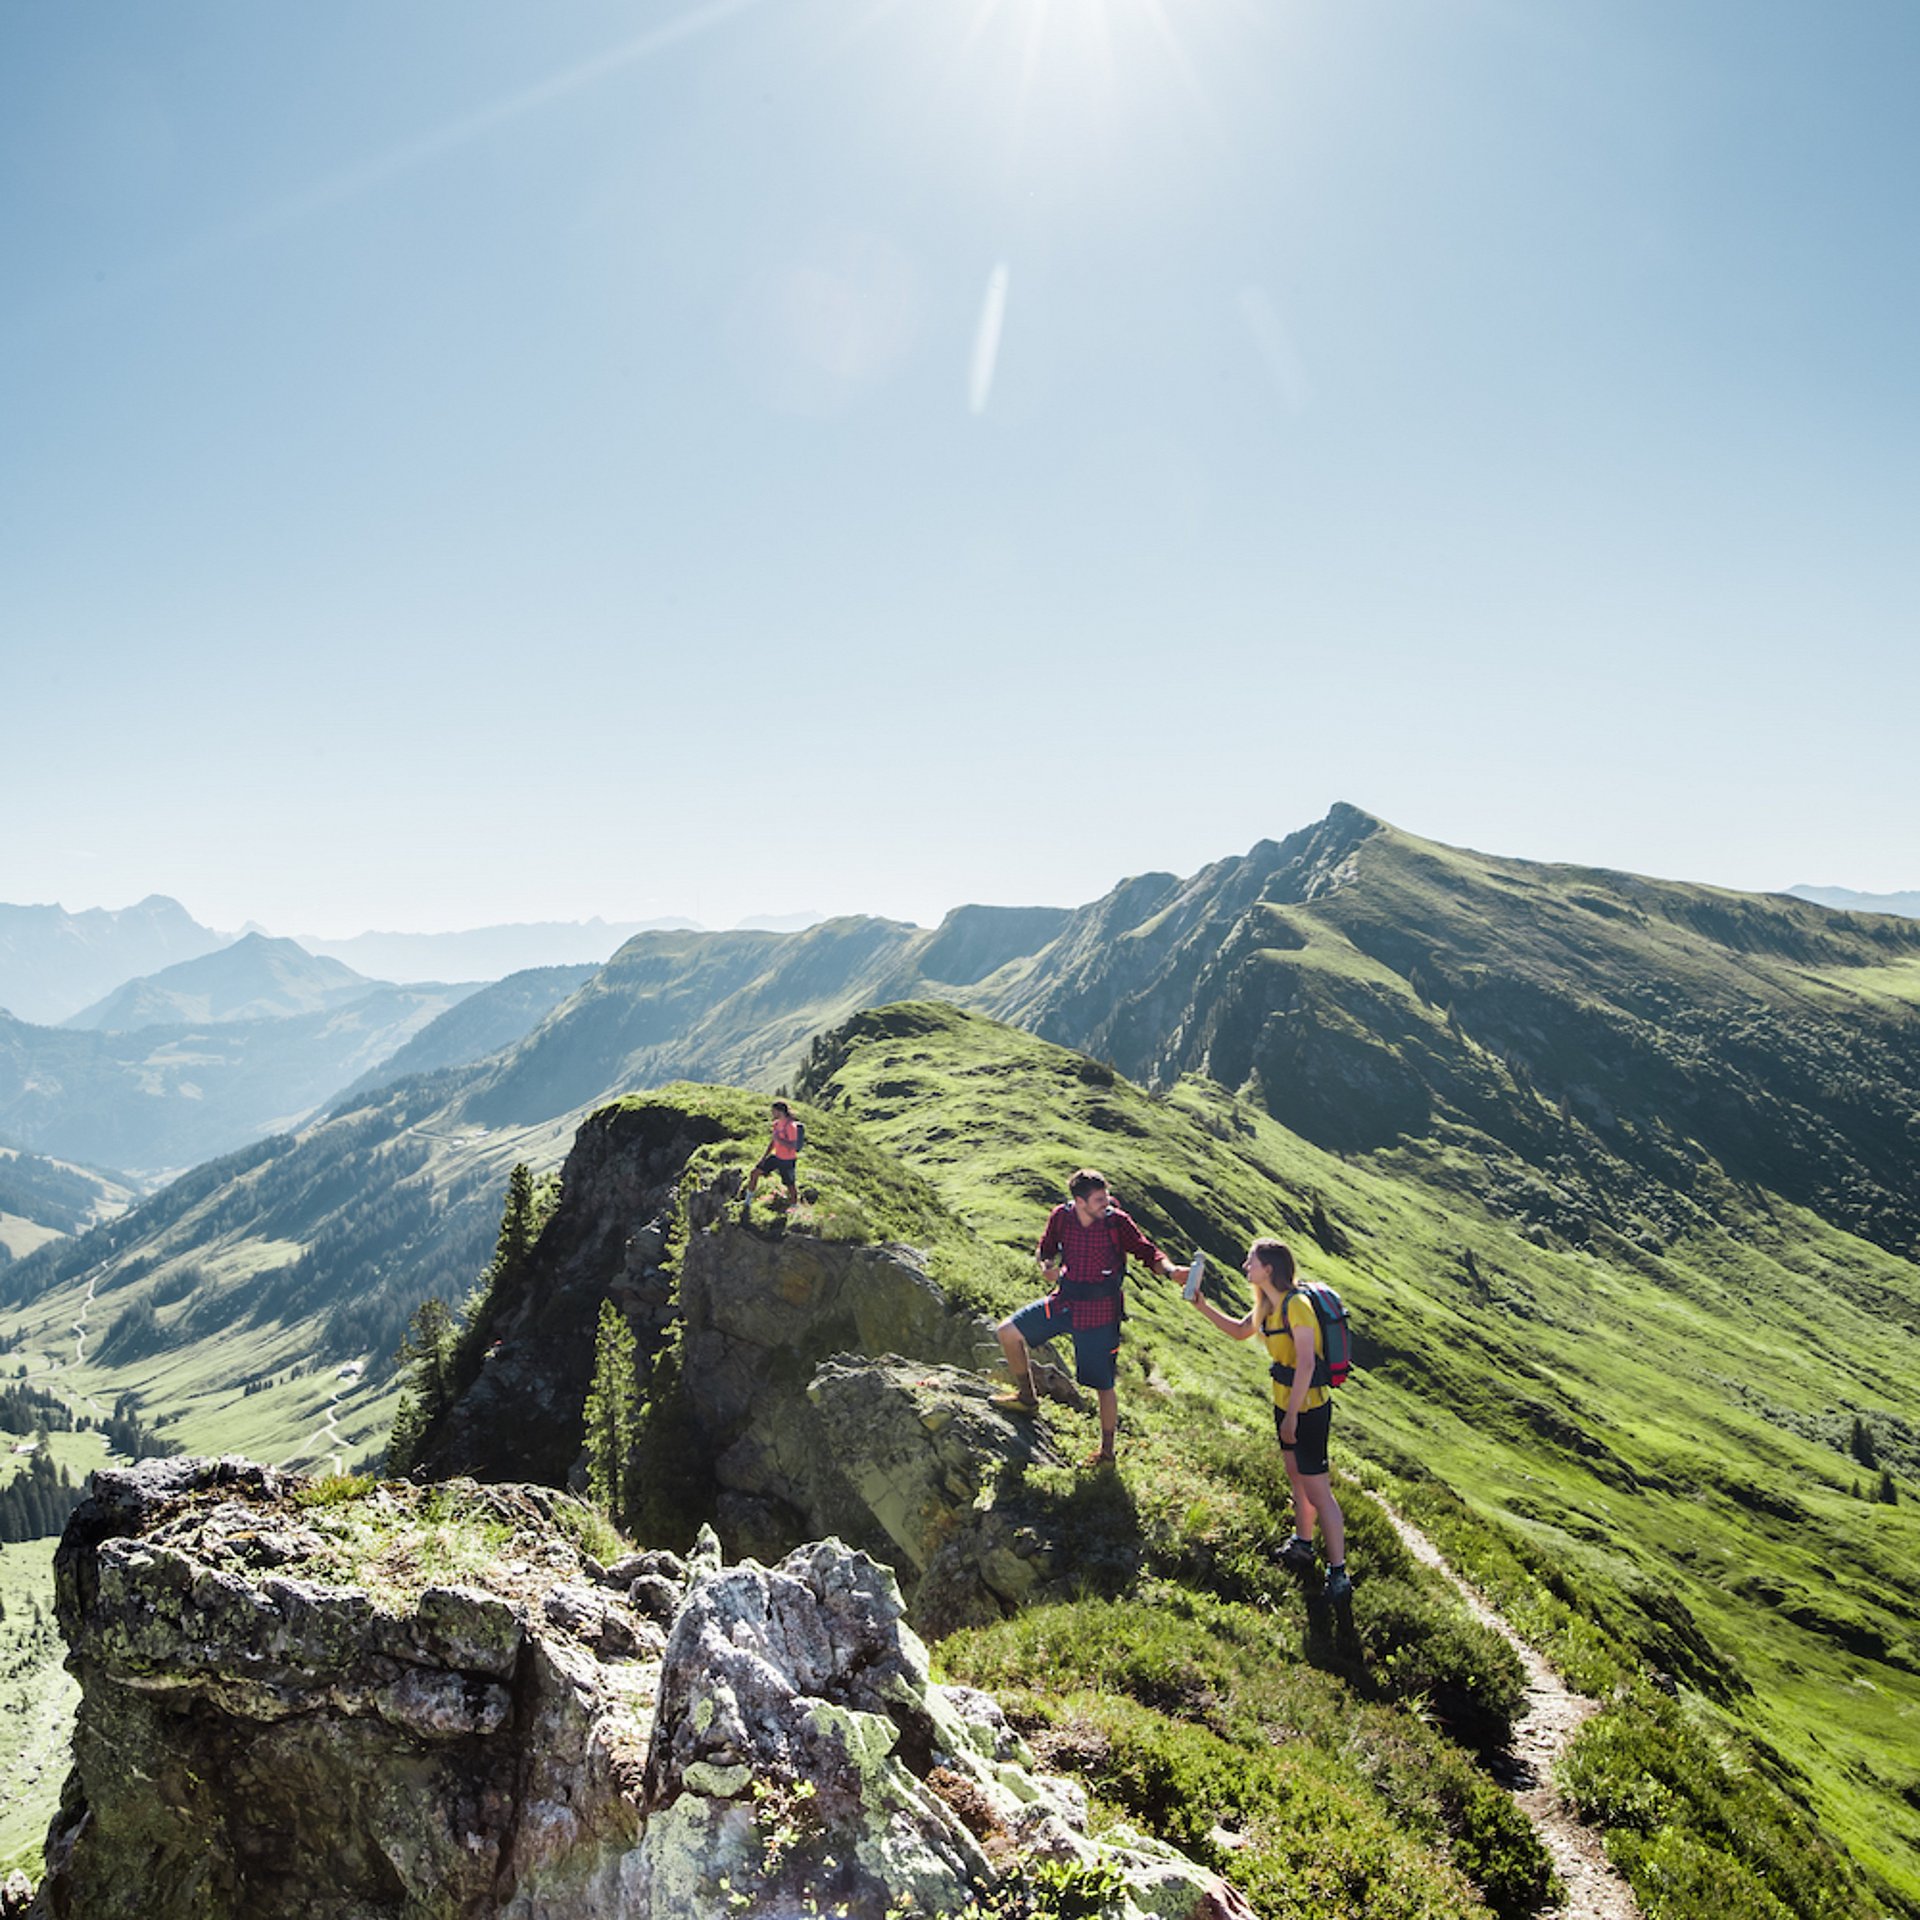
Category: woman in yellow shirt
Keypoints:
(1302, 1412)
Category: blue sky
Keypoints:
(464, 462)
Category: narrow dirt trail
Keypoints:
(1595, 1889)
(327, 1440)
(79, 1332)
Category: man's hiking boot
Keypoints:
(1053, 1383)
(1014, 1401)
(1297, 1554)
(1100, 1460)
(1339, 1584)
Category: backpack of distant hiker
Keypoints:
(799, 1138)
(1334, 1361)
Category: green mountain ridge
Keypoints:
(1642, 1128)
(42, 1200)
(1583, 1048)
(1657, 1476)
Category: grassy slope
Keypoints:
(1398, 1818)
(386, 1202)
(36, 1703)
(1602, 1019)
(43, 1201)
(1650, 1422)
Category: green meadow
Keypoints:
(36, 1703)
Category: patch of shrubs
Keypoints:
(1695, 1833)
(1203, 1722)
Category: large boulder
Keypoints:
(840, 1390)
(350, 1701)
(763, 1311)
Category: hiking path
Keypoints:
(1554, 1714)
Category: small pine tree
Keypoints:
(1889, 1493)
(612, 1414)
(1860, 1444)
(427, 1354)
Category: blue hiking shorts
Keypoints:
(1096, 1350)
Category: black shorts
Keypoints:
(1309, 1447)
(774, 1164)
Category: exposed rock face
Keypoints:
(521, 1419)
(830, 1388)
(842, 1392)
(290, 1709)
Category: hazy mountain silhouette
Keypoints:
(256, 978)
(53, 963)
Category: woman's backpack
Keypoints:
(1334, 1361)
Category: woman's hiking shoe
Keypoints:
(1297, 1554)
(1014, 1401)
(1339, 1583)
(1100, 1460)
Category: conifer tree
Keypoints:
(1860, 1444)
(612, 1408)
(427, 1354)
(1889, 1493)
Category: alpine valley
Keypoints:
(1617, 1175)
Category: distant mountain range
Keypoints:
(256, 978)
(484, 953)
(252, 1038)
(1907, 905)
(1588, 1040)
(164, 1098)
(53, 963)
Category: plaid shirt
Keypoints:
(1090, 1254)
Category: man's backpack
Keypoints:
(1334, 1361)
(1113, 1283)
(799, 1137)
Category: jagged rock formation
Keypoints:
(519, 1417)
(360, 1702)
(839, 1390)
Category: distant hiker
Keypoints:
(782, 1154)
(1083, 1257)
(1302, 1411)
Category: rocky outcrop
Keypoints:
(841, 1391)
(520, 1416)
(827, 1387)
(351, 1701)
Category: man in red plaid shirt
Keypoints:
(1083, 1256)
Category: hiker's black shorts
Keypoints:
(1309, 1447)
(774, 1164)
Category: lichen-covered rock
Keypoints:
(761, 1314)
(349, 1702)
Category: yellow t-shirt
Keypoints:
(1302, 1325)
